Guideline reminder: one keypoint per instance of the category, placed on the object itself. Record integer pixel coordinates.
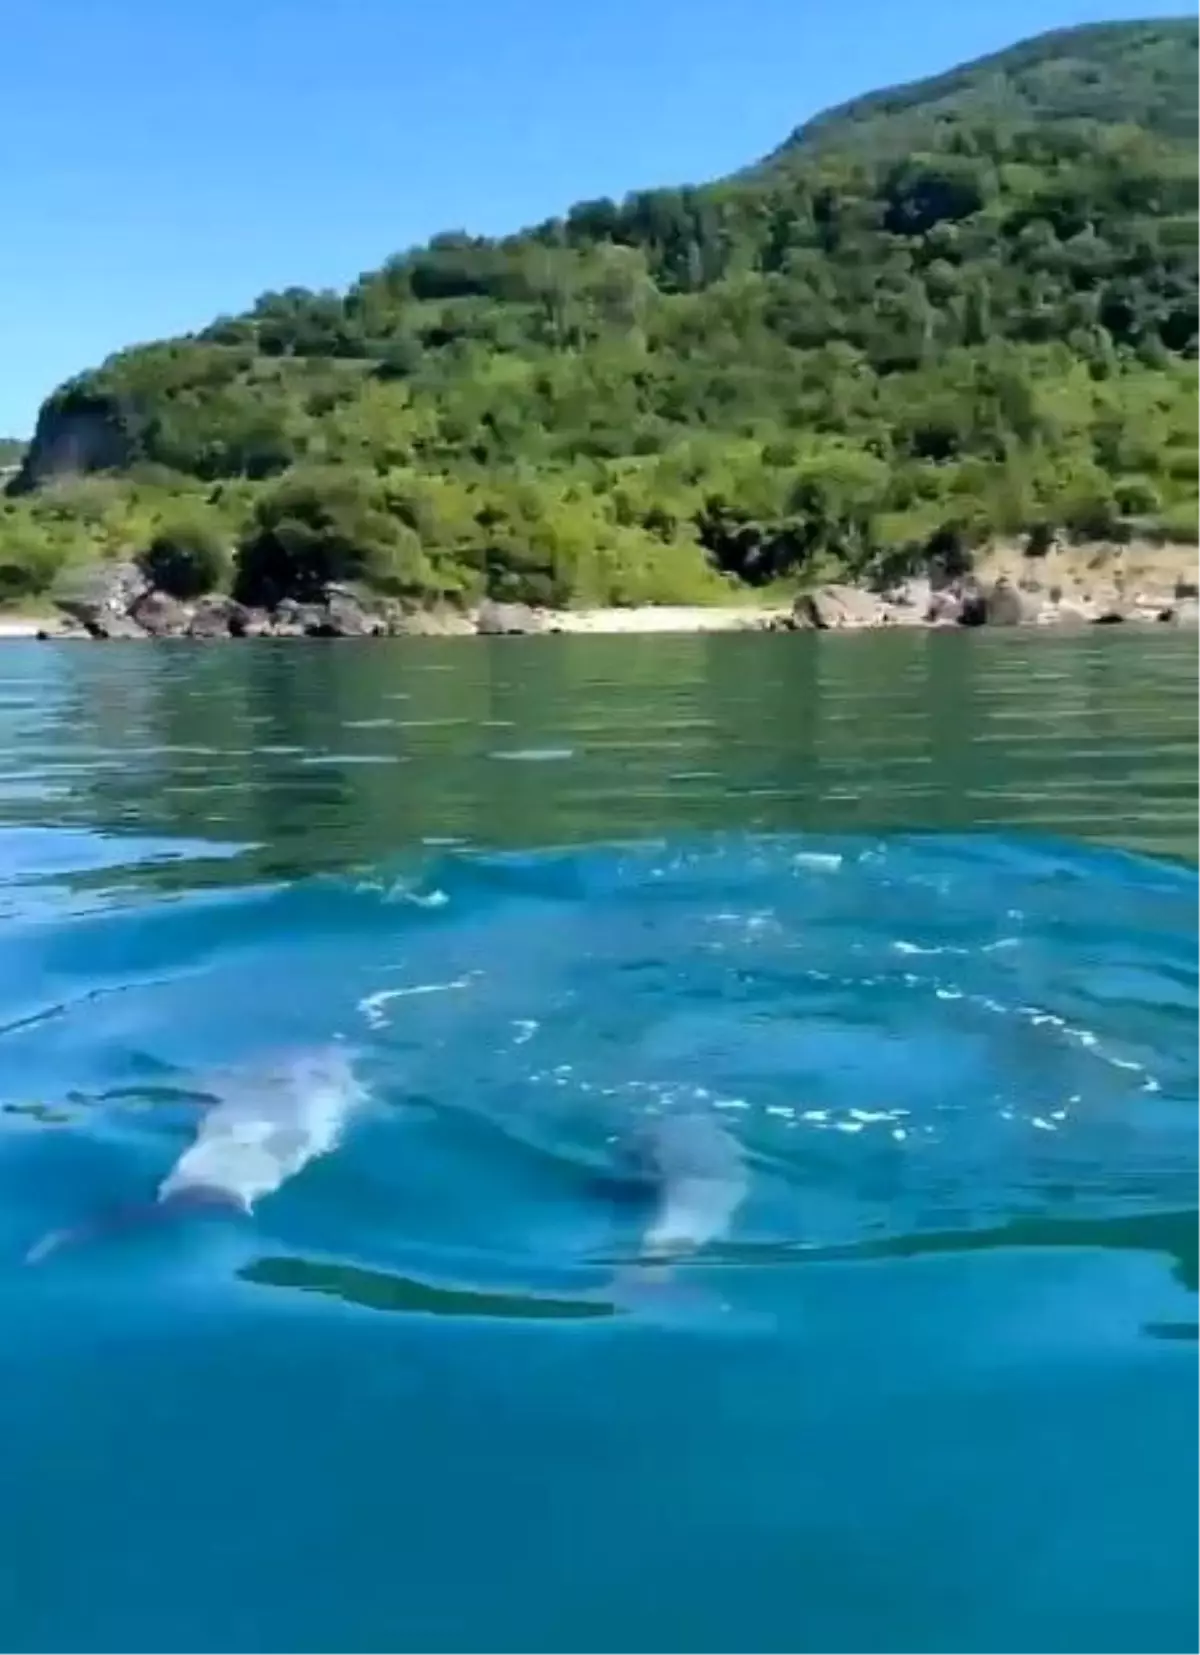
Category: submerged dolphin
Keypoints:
(697, 1172)
(265, 1126)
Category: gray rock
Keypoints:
(1187, 589)
(972, 605)
(834, 607)
(346, 616)
(507, 619)
(343, 615)
(116, 626)
(1007, 605)
(161, 615)
(944, 608)
(98, 595)
(1070, 612)
(249, 623)
(217, 617)
(298, 620)
(428, 623)
(917, 594)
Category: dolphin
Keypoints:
(696, 1172)
(263, 1127)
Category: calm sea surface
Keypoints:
(431, 952)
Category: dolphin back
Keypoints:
(267, 1125)
(699, 1173)
(263, 1126)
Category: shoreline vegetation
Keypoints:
(937, 323)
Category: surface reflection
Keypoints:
(312, 757)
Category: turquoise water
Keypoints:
(911, 922)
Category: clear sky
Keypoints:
(166, 160)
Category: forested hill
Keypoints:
(960, 308)
(1142, 74)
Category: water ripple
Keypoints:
(908, 1036)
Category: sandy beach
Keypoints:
(668, 618)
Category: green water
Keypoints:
(335, 753)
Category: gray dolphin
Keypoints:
(264, 1126)
(695, 1170)
(698, 1172)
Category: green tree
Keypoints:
(187, 557)
(312, 529)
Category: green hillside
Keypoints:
(947, 311)
(1142, 74)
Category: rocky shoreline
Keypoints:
(117, 602)
(999, 602)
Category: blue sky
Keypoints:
(166, 160)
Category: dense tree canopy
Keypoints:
(963, 308)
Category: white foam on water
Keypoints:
(371, 1005)
(401, 891)
(419, 899)
(824, 861)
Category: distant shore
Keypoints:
(1069, 586)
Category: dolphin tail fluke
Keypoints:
(94, 1229)
(136, 1216)
(52, 1242)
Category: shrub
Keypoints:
(186, 558)
(1180, 523)
(1137, 496)
(311, 529)
(1040, 540)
